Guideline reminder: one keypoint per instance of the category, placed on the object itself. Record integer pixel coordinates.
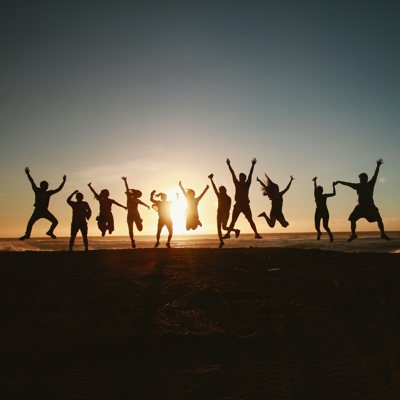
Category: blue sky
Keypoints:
(166, 91)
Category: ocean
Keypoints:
(366, 242)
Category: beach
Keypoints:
(200, 323)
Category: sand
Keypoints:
(260, 323)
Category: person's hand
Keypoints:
(76, 191)
(314, 179)
(253, 161)
(64, 178)
(211, 176)
(228, 161)
(148, 207)
(379, 162)
(123, 178)
(291, 178)
(207, 187)
(335, 183)
(89, 184)
(153, 191)
(27, 170)
(180, 183)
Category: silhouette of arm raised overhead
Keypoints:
(69, 199)
(125, 179)
(262, 183)
(253, 163)
(152, 197)
(93, 191)
(315, 182)
(182, 188)
(61, 185)
(211, 176)
(28, 174)
(288, 186)
(378, 165)
(333, 190)
(228, 161)
(203, 192)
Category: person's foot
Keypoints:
(51, 234)
(168, 245)
(227, 236)
(331, 238)
(319, 236)
(221, 244)
(237, 233)
(352, 237)
(384, 236)
(258, 236)
(262, 214)
(157, 244)
(24, 237)
(103, 233)
(133, 244)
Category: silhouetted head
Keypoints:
(104, 193)
(363, 177)
(242, 177)
(44, 185)
(222, 189)
(190, 193)
(135, 193)
(319, 190)
(163, 196)
(79, 196)
(271, 190)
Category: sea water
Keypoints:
(366, 242)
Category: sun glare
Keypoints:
(178, 210)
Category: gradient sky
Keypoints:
(166, 91)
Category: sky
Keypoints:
(166, 91)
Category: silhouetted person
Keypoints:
(105, 219)
(163, 207)
(42, 199)
(271, 189)
(321, 211)
(366, 207)
(132, 203)
(80, 213)
(192, 203)
(242, 201)
(223, 210)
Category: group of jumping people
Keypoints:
(81, 211)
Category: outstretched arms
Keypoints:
(182, 188)
(288, 186)
(119, 204)
(152, 196)
(142, 203)
(349, 184)
(211, 176)
(253, 163)
(261, 183)
(61, 185)
(333, 190)
(28, 174)
(378, 165)
(228, 161)
(93, 191)
(125, 179)
(203, 192)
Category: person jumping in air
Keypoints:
(366, 207)
(271, 190)
(132, 203)
(42, 199)
(192, 213)
(164, 215)
(80, 213)
(223, 210)
(242, 201)
(321, 211)
(105, 219)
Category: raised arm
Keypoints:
(378, 165)
(211, 176)
(261, 183)
(182, 188)
(28, 174)
(203, 192)
(93, 191)
(333, 190)
(125, 179)
(61, 185)
(152, 196)
(228, 161)
(253, 163)
(69, 199)
(288, 186)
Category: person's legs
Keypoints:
(34, 217)
(235, 215)
(325, 224)
(74, 231)
(84, 231)
(170, 232)
(317, 223)
(249, 218)
(382, 229)
(159, 227)
(353, 227)
(54, 222)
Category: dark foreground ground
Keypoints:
(200, 324)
